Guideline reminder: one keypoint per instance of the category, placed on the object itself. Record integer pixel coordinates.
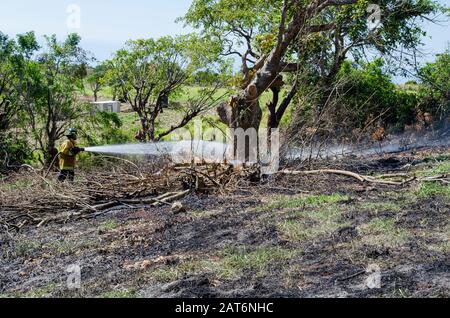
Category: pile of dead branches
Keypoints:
(27, 198)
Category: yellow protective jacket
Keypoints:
(66, 157)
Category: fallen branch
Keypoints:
(396, 183)
(173, 198)
(441, 178)
(393, 175)
(104, 206)
(359, 177)
(162, 199)
(207, 176)
(327, 171)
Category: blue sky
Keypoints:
(107, 24)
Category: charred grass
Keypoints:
(289, 236)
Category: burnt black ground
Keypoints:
(258, 240)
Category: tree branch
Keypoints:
(286, 101)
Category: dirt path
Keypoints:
(290, 236)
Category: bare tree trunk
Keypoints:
(242, 111)
(151, 131)
(273, 122)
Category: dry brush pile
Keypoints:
(27, 198)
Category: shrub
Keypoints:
(435, 88)
(13, 152)
(102, 128)
(369, 92)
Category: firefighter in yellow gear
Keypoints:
(67, 156)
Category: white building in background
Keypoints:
(108, 106)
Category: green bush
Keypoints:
(435, 88)
(13, 152)
(102, 128)
(406, 104)
(368, 92)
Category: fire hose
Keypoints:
(51, 165)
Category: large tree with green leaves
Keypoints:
(148, 73)
(8, 49)
(12, 53)
(95, 77)
(8, 107)
(48, 88)
(276, 38)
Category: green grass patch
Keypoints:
(288, 202)
(26, 248)
(307, 217)
(382, 206)
(70, 246)
(438, 158)
(165, 275)
(109, 225)
(312, 223)
(168, 274)
(234, 261)
(380, 225)
(438, 169)
(383, 231)
(41, 292)
(227, 264)
(433, 189)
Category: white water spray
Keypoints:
(216, 152)
(177, 151)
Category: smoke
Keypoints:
(392, 144)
